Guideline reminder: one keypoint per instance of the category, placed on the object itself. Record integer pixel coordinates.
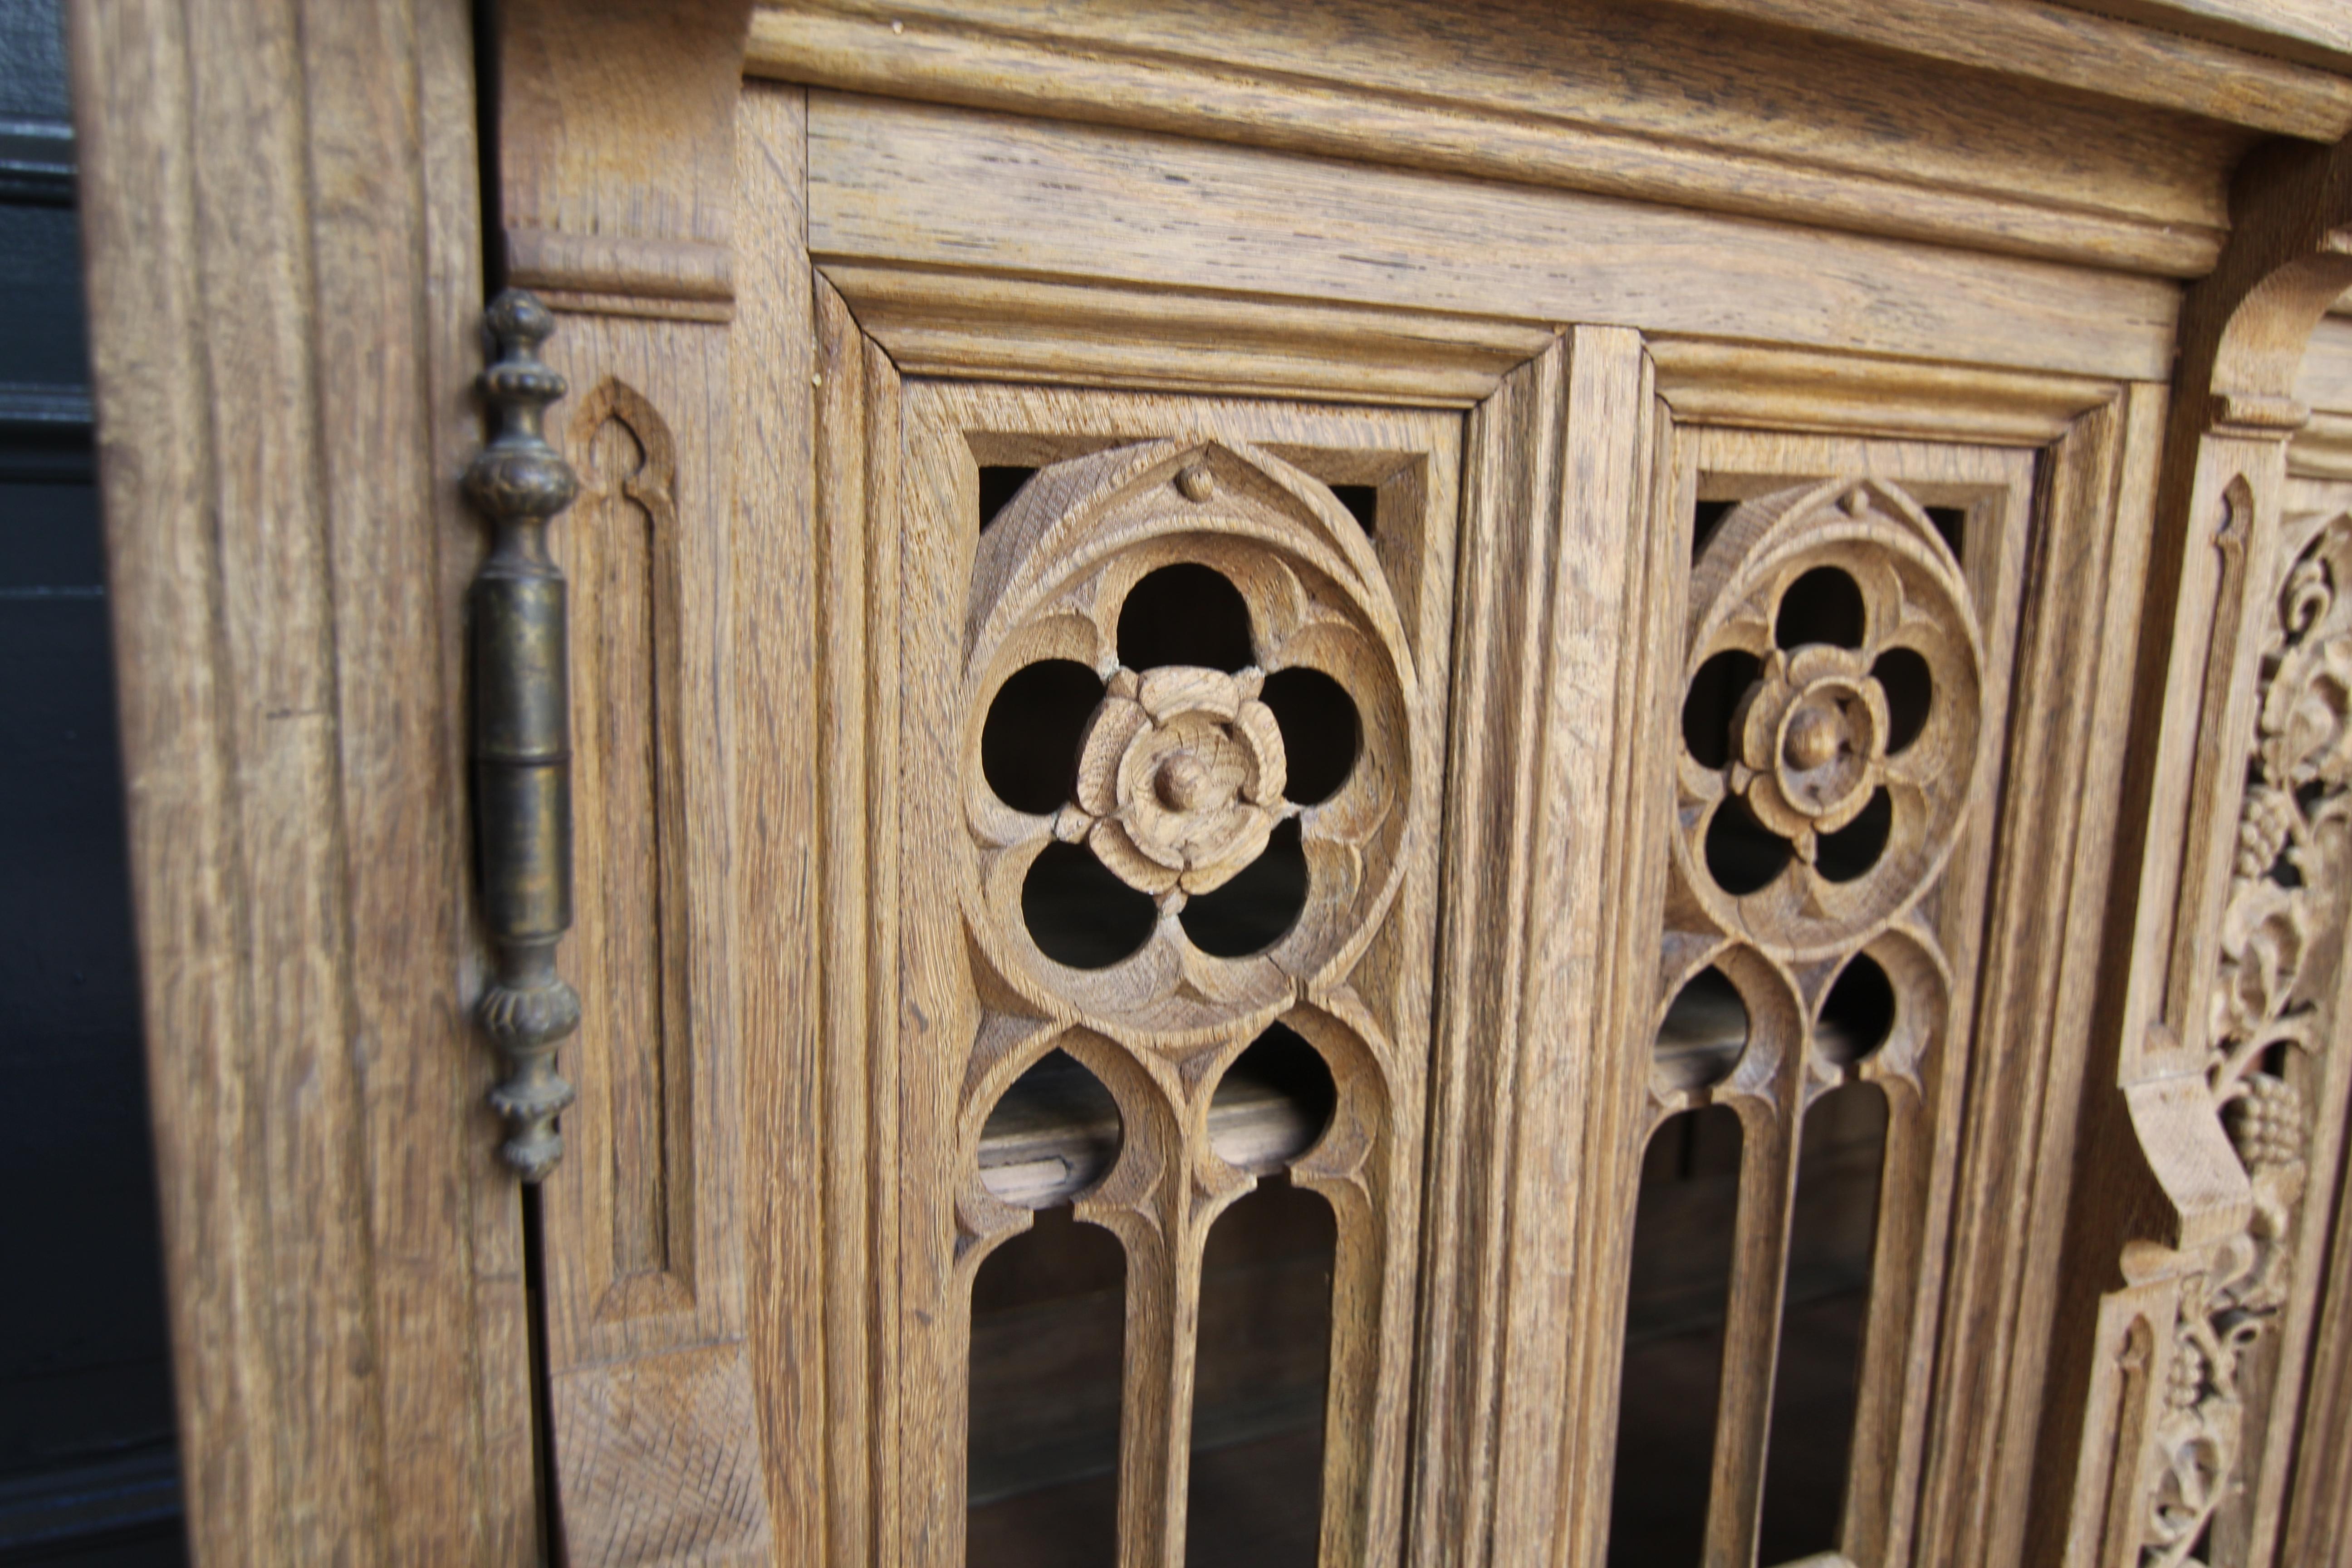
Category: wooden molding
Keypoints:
(2314, 32)
(1711, 382)
(2322, 449)
(685, 279)
(935, 321)
(923, 186)
(616, 147)
(1542, 973)
(2041, 966)
(1603, 100)
(2158, 64)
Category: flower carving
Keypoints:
(1812, 743)
(1193, 741)
(1179, 783)
(1832, 715)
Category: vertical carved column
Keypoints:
(617, 127)
(2175, 1378)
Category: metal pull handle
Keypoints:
(522, 736)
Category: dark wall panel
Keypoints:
(87, 1475)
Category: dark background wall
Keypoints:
(87, 1475)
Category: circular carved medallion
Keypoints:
(1836, 776)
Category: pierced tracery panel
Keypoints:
(1833, 747)
(2272, 1021)
(1180, 783)
(1196, 738)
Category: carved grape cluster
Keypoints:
(2265, 1124)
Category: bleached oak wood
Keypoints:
(987, 194)
(2169, 1418)
(809, 1270)
(1624, 101)
(1544, 279)
(2095, 492)
(658, 1452)
(1551, 607)
(284, 329)
(2312, 31)
(949, 324)
(1160, 1027)
(1914, 912)
(1760, 387)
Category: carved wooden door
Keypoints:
(1225, 930)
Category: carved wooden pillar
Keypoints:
(2179, 1374)
(617, 129)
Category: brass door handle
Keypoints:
(522, 736)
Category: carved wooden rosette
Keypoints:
(1813, 745)
(2273, 1012)
(1178, 784)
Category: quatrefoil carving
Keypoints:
(1177, 784)
(1822, 598)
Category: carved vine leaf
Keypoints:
(2281, 937)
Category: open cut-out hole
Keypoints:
(1743, 856)
(1910, 687)
(1678, 1293)
(1258, 906)
(1261, 1382)
(1952, 522)
(1053, 1135)
(1704, 1030)
(1319, 724)
(1714, 697)
(1363, 504)
(1705, 518)
(1048, 1358)
(1824, 605)
(1272, 1103)
(1817, 1373)
(999, 483)
(1847, 855)
(1029, 743)
(1079, 913)
(1185, 614)
(1857, 1015)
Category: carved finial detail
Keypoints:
(521, 730)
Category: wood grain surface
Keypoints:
(1495, 359)
(1827, 127)
(899, 183)
(285, 336)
